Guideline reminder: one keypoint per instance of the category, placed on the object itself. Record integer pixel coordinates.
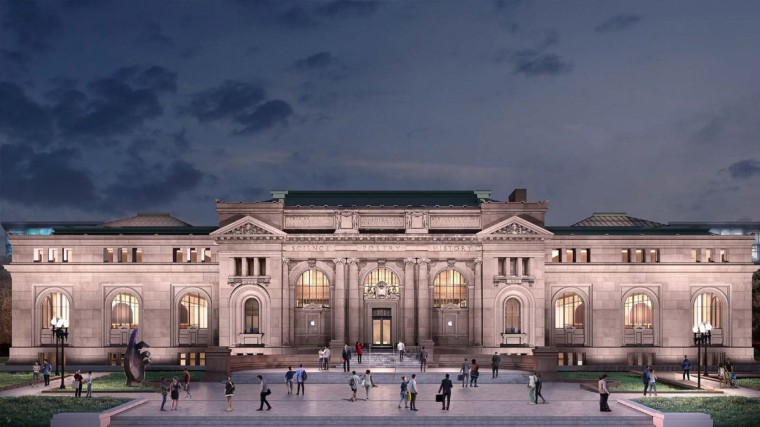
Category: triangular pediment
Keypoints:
(515, 227)
(247, 228)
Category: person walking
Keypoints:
(652, 382)
(359, 349)
(46, 368)
(346, 358)
(539, 384)
(77, 384)
(164, 391)
(35, 373)
(445, 390)
(229, 390)
(413, 390)
(300, 380)
(404, 392)
(474, 373)
(401, 349)
(686, 366)
(175, 393)
(645, 379)
(532, 388)
(289, 379)
(89, 384)
(495, 361)
(321, 354)
(187, 384)
(327, 358)
(353, 382)
(368, 383)
(465, 371)
(604, 394)
(264, 391)
(423, 359)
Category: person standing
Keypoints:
(346, 358)
(465, 371)
(359, 352)
(404, 391)
(532, 388)
(46, 368)
(164, 391)
(401, 348)
(604, 394)
(495, 361)
(474, 373)
(35, 373)
(652, 382)
(327, 358)
(686, 366)
(289, 379)
(229, 390)
(77, 384)
(413, 390)
(264, 391)
(353, 382)
(368, 383)
(187, 384)
(89, 384)
(175, 394)
(539, 384)
(645, 379)
(300, 379)
(321, 354)
(423, 359)
(445, 389)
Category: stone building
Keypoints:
(454, 271)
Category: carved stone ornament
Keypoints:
(514, 228)
(381, 291)
(248, 229)
(312, 307)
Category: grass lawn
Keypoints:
(32, 411)
(116, 381)
(13, 378)
(629, 382)
(749, 382)
(733, 411)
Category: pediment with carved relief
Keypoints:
(248, 228)
(514, 228)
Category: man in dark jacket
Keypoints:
(445, 389)
(645, 379)
(686, 366)
(346, 358)
(495, 361)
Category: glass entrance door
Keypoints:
(381, 327)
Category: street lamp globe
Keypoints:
(695, 329)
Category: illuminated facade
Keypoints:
(441, 269)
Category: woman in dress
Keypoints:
(229, 389)
(175, 394)
(368, 383)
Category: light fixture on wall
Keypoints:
(450, 323)
(312, 323)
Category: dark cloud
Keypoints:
(32, 25)
(318, 60)
(44, 179)
(152, 34)
(241, 103)
(745, 169)
(113, 105)
(618, 23)
(21, 118)
(146, 185)
(297, 17)
(347, 8)
(534, 63)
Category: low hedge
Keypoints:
(37, 411)
(726, 411)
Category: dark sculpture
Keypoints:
(135, 361)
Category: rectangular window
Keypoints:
(585, 255)
(193, 255)
(654, 255)
(556, 255)
(569, 255)
(107, 254)
(513, 266)
(709, 255)
(526, 266)
(695, 255)
(625, 255)
(178, 255)
(136, 254)
(262, 266)
(238, 266)
(502, 266)
(723, 255)
(67, 253)
(53, 255)
(38, 254)
(639, 257)
(206, 255)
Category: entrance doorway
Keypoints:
(381, 327)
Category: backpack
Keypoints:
(303, 376)
(645, 377)
(352, 382)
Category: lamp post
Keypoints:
(60, 328)
(702, 336)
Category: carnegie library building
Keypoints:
(459, 272)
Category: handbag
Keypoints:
(409, 395)
(439, 398)
(460, 377)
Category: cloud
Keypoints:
(152, 34)
(745, 169)
(318, 60)
(243, 104)
(21, 118)
(297, 17)
(347, 8)
(618, 23)
(533, 63)
(32, 25)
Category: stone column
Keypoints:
(353, 300)
(424, 305)
(287, 308)
(243, 266)
(339, 310)
(256, 271)
(476, 306)
(407, 302)
(519, 267)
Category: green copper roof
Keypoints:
(382, 198)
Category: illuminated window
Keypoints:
(53, 255)
(55, 305)
(512, 316)
(125, 311)
(67, 254)
(108, 254)
(569, 311)
(639, 257)
(585, 255)
(569, 255)
(252, 316)
(378, 276)
(312, 287)
(638, 311)
(707, 309)
(449, 287)
(625, 255)
(556, 255)
(193, 311)
(654, 255)
(38, 257)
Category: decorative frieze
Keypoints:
(382, 221)
(307, 222)
(514, 228)
(455, 222)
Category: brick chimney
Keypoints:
(519, 195)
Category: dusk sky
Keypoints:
(109, 108)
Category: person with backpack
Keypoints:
(465, 372)
(368, 383)
(495, 361)
(474, 373)
(645, 379)
(445, 390)
(289, 379)
(229, 390)
(404, 393)
(264, 391)
(300, 380)
(423, 359)
(353, 382)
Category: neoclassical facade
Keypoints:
(448, 270)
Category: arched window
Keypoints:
(569, 311)
(381, 275)
(55, 305)
(125, 311)
(449, 287)
(312, 288)
(512, 316)
(193, 311)
(638, 311)
(252, 316)
(707, 309)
